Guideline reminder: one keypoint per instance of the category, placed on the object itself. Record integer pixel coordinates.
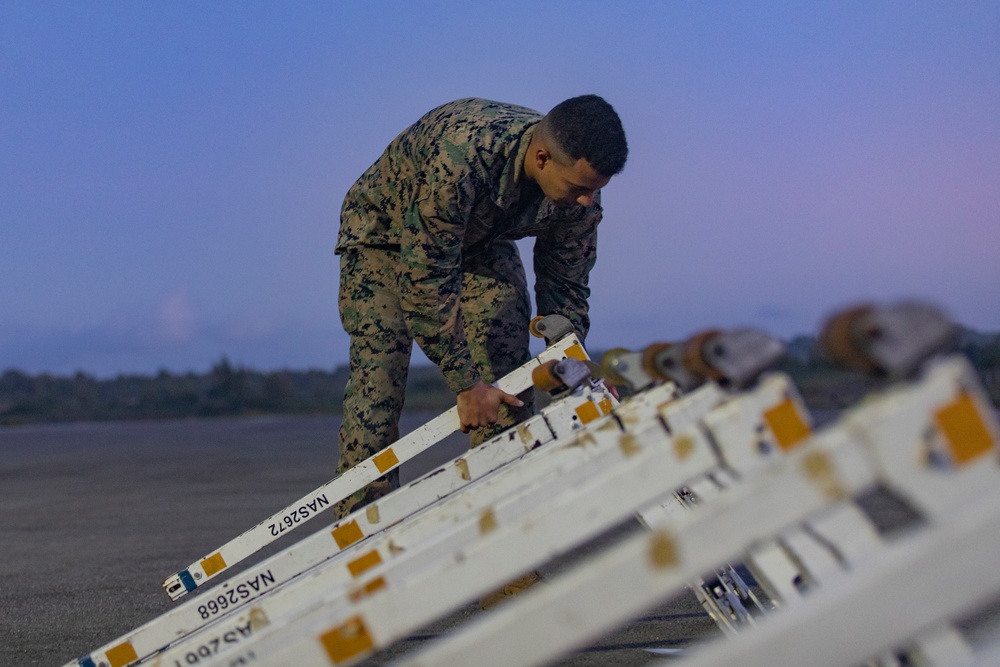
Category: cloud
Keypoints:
(176, 317)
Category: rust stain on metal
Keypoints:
(629, 444)
(683, 446)
(487, 522)
(820, 470)
(663, 550)
(258, 619)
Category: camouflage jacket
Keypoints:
(443, 190)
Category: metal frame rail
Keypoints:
(933, 441)
(194, 613)
(640, 468)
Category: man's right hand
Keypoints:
(479, 405)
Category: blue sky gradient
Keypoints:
(171, 173)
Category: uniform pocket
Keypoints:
(348, 299)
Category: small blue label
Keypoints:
(187, 580)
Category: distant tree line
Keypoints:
(224, 391)
(234, 391)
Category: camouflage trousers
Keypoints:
(496, 310)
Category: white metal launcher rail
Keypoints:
(454, 520)
(933, 441)
(280, 568)
(649, 463)
(918, 582)
(443, 491)
(450, 499)
(355, 479)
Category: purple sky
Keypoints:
(171, 173)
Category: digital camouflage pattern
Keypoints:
(496, 311)
(427, 254)
(446, 189)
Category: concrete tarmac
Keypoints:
(94, 516)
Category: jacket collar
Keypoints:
(512, 177)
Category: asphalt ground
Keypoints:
(95, 516)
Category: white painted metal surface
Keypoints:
(936, 433)
(639, 467)
(193, 614)
(447, 523)
(764, 489)
(885, 603)
(270, 529)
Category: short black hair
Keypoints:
(588, 127)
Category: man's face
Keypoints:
(569, 185)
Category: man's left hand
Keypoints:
(479, 405)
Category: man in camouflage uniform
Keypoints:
(427, 253)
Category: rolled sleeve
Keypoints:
(564, 257)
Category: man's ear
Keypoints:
(542, 157)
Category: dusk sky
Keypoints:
(171, 173)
